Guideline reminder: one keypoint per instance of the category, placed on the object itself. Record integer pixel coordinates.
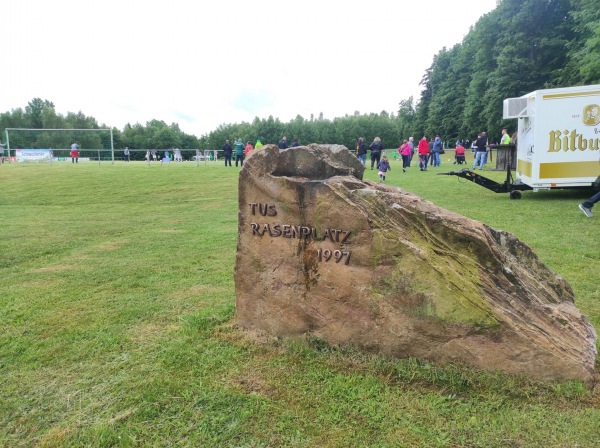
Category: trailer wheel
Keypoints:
(515, 194)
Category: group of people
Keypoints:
(376, 148)
(378, 158)
(429, 151)
(481, 147)
(283, 144)
(239, 150)
(429, 154)
(175, 155)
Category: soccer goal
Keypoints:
(25, 145)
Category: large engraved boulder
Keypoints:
(322, 252)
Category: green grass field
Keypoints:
(117, 325)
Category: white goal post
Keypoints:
(94, 144)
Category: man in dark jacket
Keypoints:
(480, 151)
(227, 151)
(283, 143)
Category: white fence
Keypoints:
(149, 156)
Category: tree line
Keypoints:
(519, 47)
(41, 114)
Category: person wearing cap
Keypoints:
(258, 144)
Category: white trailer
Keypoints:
(558, 141)
(558, 137)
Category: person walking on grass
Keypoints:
(361, 151)
(423, 150)
(383, 167)
(411, 143)
(586, 207)
(405, 153)
(430, 147)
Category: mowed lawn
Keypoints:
(117, 324)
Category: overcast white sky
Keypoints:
(205, 63)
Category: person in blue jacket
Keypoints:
(383, 167)
(437, 150)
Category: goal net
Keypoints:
(55, 144)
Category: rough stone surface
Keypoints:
(420, 281)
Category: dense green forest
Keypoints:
(519, 47)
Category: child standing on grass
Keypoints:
(383, 167)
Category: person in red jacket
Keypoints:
(423, 153)
(248, 148)
(459, 155)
